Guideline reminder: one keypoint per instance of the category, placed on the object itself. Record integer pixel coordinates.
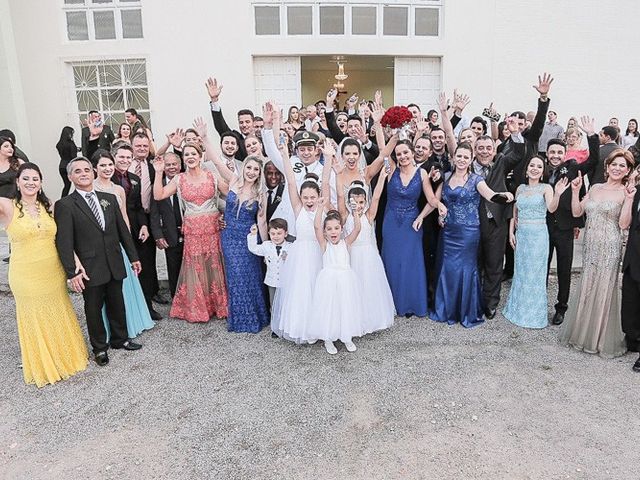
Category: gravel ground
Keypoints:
(422, 400)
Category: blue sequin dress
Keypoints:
(527, 302)
(402, 252)
(247, 306)
(458, 296)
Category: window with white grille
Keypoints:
(103, 19)
(111, 87)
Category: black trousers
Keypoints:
(430, 234)
(110, 295)
(149, 275)
(631, 311)
(493, 238)
(174, 262)
(65, 181)
(562, 242)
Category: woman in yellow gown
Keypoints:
(52, 345)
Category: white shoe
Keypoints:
(311, 342)
(330, 347)
(351, 347)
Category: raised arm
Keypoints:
(587, 125)
(290, 179)
(543, 87)
(377, 193)
(329, 156)
(357, 225)
(446, 123)
(227, 175)
(160, 192)
(577, 206)
(317, 224)
(214, 90)
(330, 116)
(626, 214)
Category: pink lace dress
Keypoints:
(201, 292)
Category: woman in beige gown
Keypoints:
(593, 322)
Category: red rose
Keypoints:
(396, 117)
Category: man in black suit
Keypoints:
(166, 223)
(245, 118)
(96, 134)
(608, 136)
(275, 188)
(138, 220)
(495, 217)
(91, 225)
(563, 226)
(631, 282)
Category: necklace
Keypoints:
(35, 207)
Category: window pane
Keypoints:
(427, 20)
(135, 74)
(131, 23)
(395, 20)
(85, 76)
(77, 26)
(137, 98)
(299, 21)
(112, 99)
(331, 20)
(74, 2)
(88, 100)
(363, 20)
(101, 1)
(105, 25)
(110, 75)
(267, 20)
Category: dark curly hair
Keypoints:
(14, 162)
(332, 215)
(40, 196)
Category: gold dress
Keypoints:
(52, 345)
(592, 323)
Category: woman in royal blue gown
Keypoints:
(458, 296)
(402, 252)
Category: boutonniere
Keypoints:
(277, 199)
(564, 171)
(134, 183)
(104, 203)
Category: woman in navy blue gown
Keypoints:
(247, 307)
(402, 252)
(458, 296)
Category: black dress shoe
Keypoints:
(274, 335)
(160, 299)
(102, 359)
(636, 366)
(128, 345)
(506, 277)
(490, 313)
(155, 315)
(558, 318)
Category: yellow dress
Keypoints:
(52, 345)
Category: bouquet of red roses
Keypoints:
(396, 117)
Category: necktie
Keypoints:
(138, 168)
(306, 170)
(485, 171)
(93, 205)
(270, 199)
(176, 210)
(278, 248)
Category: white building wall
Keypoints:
(490, 49)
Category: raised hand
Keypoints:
(267, 115)
(361, 134)
(544, 85)
(331, 97)
(328, 149)
(213, 89)
(422, 126)
(587, 124)
(254, 229)
(158, 164)
(512, 124)
(460, 101)
(352, 101)
(630, 191)
(576, 184)
(561, 186)
(377, 113)
(443, 102)
(176, 138)
(200, 126)
(377, 98)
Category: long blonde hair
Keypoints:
(258, 186)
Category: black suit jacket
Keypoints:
(631, 262)
(99, 251)
(277, 198)
(496, 180)
(135, 212)
(221, 127)
(163, 222)
(562, 218)
(597, 174)
(104, 141)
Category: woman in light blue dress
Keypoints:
(527, 302)
(137, 312)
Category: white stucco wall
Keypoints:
(490, 49)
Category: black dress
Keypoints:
(8, 183)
